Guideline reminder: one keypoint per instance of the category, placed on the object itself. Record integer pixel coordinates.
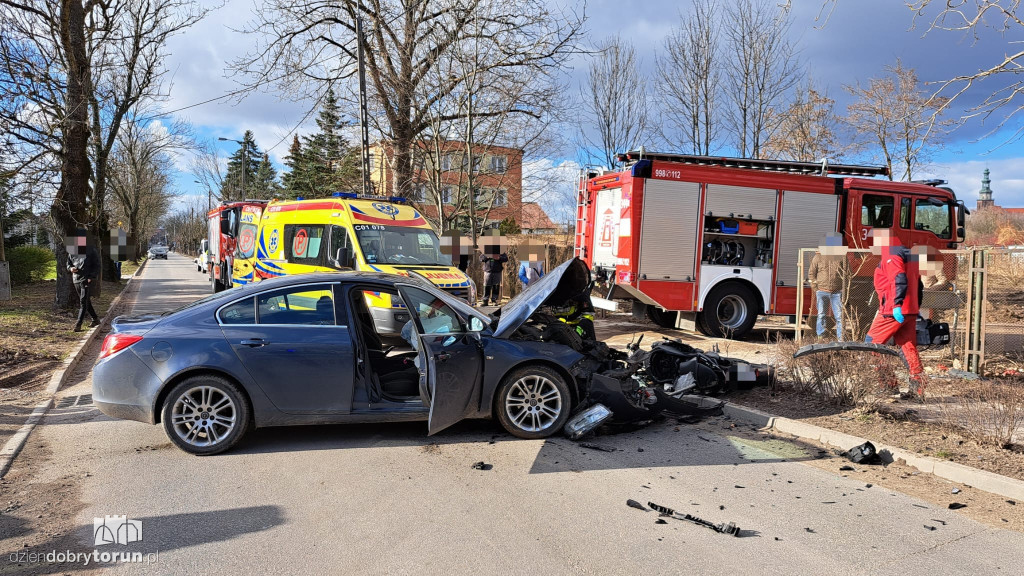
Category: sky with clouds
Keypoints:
(859, 39)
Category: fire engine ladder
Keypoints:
(581, 214)
(822, 168)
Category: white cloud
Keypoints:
(552, 184)
(965, 178)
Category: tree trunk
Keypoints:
(69, 206)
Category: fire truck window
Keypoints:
(931, 218)
(876, 211)
(302, 244)
(905, 213)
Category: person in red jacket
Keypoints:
(898, 285)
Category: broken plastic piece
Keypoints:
(597, 447)
(863, 454)
(729, 528)
(482, 466)
(586, 421)
(634, 504)
(846, 346)
(956, 506)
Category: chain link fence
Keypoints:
(979, 292)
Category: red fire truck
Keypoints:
(232, 231)
(710, 243)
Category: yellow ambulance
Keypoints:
(352, 232)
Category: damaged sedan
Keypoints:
(304, 349)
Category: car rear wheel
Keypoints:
(533, 402)
(205, 415)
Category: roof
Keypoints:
(534, 217)
(1014, 210)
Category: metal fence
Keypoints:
(979, 292)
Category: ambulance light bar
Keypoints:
(354, 196)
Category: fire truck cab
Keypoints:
(710, 243)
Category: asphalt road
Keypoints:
(388, 499)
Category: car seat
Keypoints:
(325, 310)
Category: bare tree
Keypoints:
(690, 81)
(896, 120)
(140, 175)
(614, 103)
(306, 46)
(1002, 77)
(762, 69)
(69, 73)
(808, 129)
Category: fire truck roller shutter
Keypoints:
(668, 232)
(740, 202)
(806, 219)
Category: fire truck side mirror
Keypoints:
(961, 234)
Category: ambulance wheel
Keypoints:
(662, 317)
(729, 311)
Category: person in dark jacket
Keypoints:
(84, 265)
(493, 260)
(898, 285)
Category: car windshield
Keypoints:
(399, 245)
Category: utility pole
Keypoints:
(364, 129)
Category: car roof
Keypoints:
(339, 276)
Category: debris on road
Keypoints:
(932, 528)
(482, 466)
(847, 468)
(863, 454)
(597, 447)
(634, 504)
(724, 528)
(586, 421)
(956, 505)
(956, 491)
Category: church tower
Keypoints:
(985, 195)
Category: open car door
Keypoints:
(451, 356)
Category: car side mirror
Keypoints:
(343, 258)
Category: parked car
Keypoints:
(303, 349)
(159, 251)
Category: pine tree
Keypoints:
(266, 185)
(240, 180)
(291, 181)
(321, 164)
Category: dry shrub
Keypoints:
(990, 412)
(844, 378)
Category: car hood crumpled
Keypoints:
(554, 289)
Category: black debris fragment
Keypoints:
(1011, 502)
(932, 528)
(639, 449)
(810, 530)
(868, 485)
(660, 521)
(863, 454)
(482, 466)
(925, 507)
(738, 486)
(703, 438)
(943, 522)
(777, 539)
(634, 504)
(597, 447)
(847, 469)
(829, 502)
(721, 506)
(956, 505)
(724, 528)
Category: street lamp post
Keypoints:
(245, 160)
(209, 196)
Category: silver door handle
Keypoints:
(254, 342)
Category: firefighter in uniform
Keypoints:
(897, 282)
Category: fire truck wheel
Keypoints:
(698, 321)
(729, 311)
(662, 317)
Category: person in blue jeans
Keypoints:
(828, 273)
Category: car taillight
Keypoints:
(114, 343)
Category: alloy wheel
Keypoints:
(203, 416)
(533, 403)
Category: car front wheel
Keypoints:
(533, 402)
(205, 415)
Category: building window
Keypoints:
(476, 164)
(500, 197)
(499, 164)
(419, 193)
(446, 162)
(446, 195)
(373, 162)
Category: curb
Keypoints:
(980, 479)
(14, 445)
